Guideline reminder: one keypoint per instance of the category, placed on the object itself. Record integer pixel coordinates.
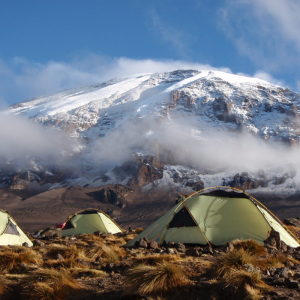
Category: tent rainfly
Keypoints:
(216, 216)
(89, 221)
(10, 232)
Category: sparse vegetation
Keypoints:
(17, 259)
(4, 288)
(139, 230)
(240, 279)
(227, 262)
(250, 246)
(159, 279)
(51, 284)
(98, 267)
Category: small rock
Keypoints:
(158, 250)
(82, 262)
(292, 284)
(283, 272)
(170, 244)
(192, 252)
(279, 281)
(38, 243)
(180, 247)
(25, 245)
(110, 266)
(229, 247)
(152, 245)
(171, 250)
(208, 249)
(59, 257)
(143, 243)
(98, 233)
(283, 246)
(292, 222)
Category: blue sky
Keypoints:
(50, 45)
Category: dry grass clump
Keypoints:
(90, 238)
(156, 280)
(67, 252)
(4, 288)
(80, 272)
(246, 283)
(44, 284)
(72, 256)
(109, 254)
(229, 261)
(139, 230)
(14, 259)
(252, 247)
(154, 259)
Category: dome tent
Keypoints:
(216, 215)
(89, 220)
(10, 232)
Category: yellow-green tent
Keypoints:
(216, 216)
(89, 221)
(10, 232)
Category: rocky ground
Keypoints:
(97, 266)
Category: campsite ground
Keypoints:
(34, 211)
(97, 266)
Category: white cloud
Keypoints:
(267, 31)
(179, 40)
(268, 77)
(22, 140)
(22, 79)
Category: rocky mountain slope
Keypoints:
(180, 131)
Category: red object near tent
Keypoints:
(61, 225)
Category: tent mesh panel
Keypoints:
(11, 229)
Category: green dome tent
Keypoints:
(89, 220)
(216, 216)
(10, 232)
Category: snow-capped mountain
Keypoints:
(185, 129)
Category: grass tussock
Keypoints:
(229, 261)
(14, 259)
(44, 284)
(4, 288)
(67, 252)
(81, 272)
(154, 259)
(154, 280)
(240, 278)
(139, 230)
(108, 253)
(250, 246)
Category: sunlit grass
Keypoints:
(157, 280)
